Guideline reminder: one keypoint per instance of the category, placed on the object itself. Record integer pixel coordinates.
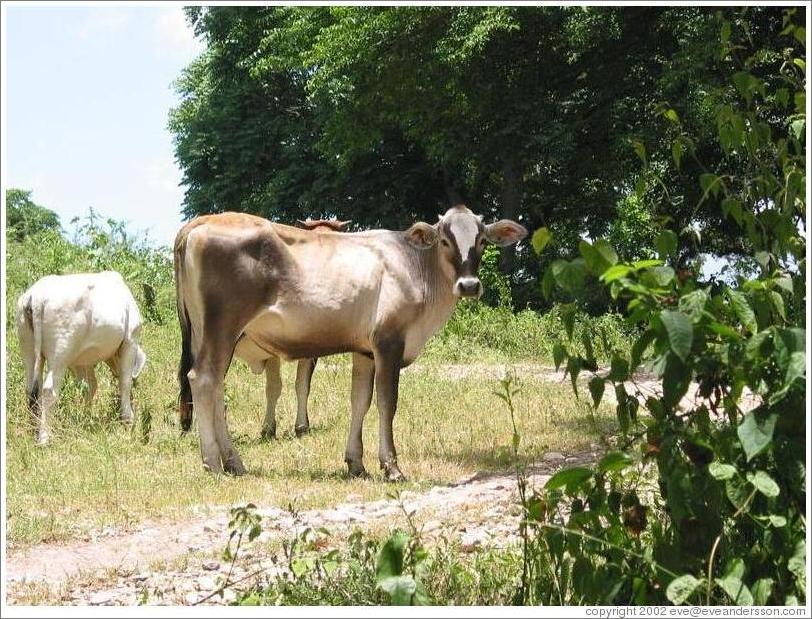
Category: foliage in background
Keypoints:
(95, 244)
(24, 217)
(705, 501)
(386, 115)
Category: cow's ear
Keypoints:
(140, 360)
(422, 235)
(505, 232)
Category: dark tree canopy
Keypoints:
(388, 115)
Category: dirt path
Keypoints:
(179, 562)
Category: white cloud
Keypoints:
(175, 34)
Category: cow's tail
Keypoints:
(34, 328)
(186, 356)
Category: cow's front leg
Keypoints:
(363, 374)
(304, 374)
(273, 389)
(388, 360)
(48, 399)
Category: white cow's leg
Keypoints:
(273, 389)
(49, 398)
(387, 376)
(33, 371)
(126, 363)
(363, 373)
(304, 374)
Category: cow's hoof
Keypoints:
(392, 473)
(127, 421)
(356, 470)
(268, 434)
(42, 440)
(301, 431)
(234, 466)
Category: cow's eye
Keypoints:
(445, 243)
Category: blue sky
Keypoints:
(88, 91)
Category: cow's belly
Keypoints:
(305, 332)
(94, 345)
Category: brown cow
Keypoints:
(378, 294)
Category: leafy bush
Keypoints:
(96, 245)
(704, 501)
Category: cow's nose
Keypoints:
(468, 287)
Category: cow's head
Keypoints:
(461, 236)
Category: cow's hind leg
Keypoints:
(206, 381)
(126, 365)
(304, 374)
(33, 371)
(273, 389)
(50, 396)
(363, 374)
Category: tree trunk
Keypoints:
(511, 204)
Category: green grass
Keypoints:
(96, 472)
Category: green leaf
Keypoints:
(694, 303)
(596, 387)
(658, 277)
(732, 584)
(710, 184)
(559, 353)
(390, 557)
(797, 127)
(681, 588)
(680, 332)
(762, 589)
(721, 471)
(676, 152)
(400, 589)
(666, 244)
(570, 275)
(615, 461)
(640, 150)
(676, 379)
(541, 238)
(595, 261)
(742, 310)
(568, 318)
(574, 366)
(777, 302)
(615, 272)
(572, 478)
(619, 369)
(671, 115)
(755, 435)
(777, 521)
(764, 483)
(797, 562)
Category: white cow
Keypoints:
(74, 322)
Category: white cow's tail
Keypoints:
(34, 325)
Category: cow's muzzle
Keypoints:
(469, 287)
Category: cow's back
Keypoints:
(84, 317)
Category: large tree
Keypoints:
(386, 115)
